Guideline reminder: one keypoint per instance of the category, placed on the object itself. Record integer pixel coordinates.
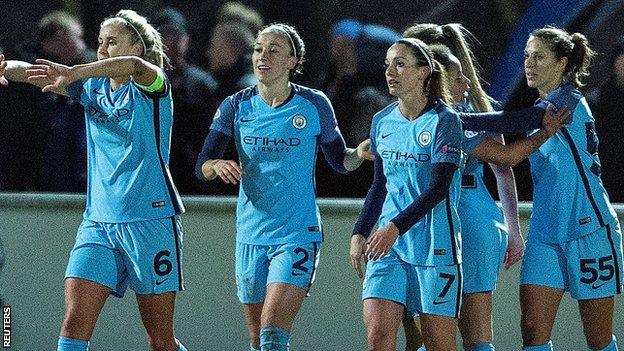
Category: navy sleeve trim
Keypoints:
(374, 201)
(504, 122)
(442, 176)
(214, 148)
(334, 152)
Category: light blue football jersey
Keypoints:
(475, 201)
(277, 151)
(408, 150)
(569, 200)
(128, 135)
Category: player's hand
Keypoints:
(53, 76)
(364, 152)
(554, 120)
(3, 65)
(356, 251)
(381, 241)
(515, 250)
(229, 171)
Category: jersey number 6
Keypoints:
(162, 264)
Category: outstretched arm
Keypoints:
(507, 122)
(495, 152)
(15, 71)
(55, 77)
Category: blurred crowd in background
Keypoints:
(42, 141)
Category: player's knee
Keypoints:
(379, 338)
(74, 327)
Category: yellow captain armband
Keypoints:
(157, 85)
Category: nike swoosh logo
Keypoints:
(246, 120)
(594, 286)
(436, 302)
(383, 136)
(158, 282)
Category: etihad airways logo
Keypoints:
(103, 117)
(404, 156)
(268, 144)
(404, 159)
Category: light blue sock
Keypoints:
(482, 347)
(422, 348)
(274, 339)
(69, 344)
(612, 345)
(545, 347)
(180, 346)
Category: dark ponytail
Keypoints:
(574, 47)
(582, 56)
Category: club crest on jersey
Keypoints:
(217, 114)
(470, 134)
(299, 121)
(424, 138)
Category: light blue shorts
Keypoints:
(260, 265)
(483, 252)
(145, 255)
(483, 234)
(589, 267)
(432, 290)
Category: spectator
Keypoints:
(229, 56)
(234, 11)
(193, 96)
(607, 104)
(355, 85)
(46, 151)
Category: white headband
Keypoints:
(283, 30)
(137, 33)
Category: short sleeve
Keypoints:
(448, 139)
(327, 119)
(223, 120)
(566, 95)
